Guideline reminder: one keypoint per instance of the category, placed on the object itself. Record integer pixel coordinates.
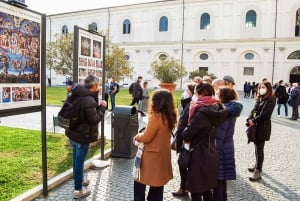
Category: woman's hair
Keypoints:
(162, 102)
(269, 93)
(191, 87)
(205, 89)
(227, 94)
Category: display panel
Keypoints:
(20, 59)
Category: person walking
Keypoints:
(225, 143)
(205, 115)
(136, 90)
(282, 98)
(260, 116)
(182, 123)
(143, 104)
(294, 101)
(113, 90)
(84, 130)
(156, 166)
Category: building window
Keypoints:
(205, 21)
(248, 70)
(297, 26)
(249, 56)
(65, 30)
(203, 70)
(251, 18)
(126, 26)
(94, 24)
(162, 57)
(294, 55)
(203, 56)
(163, 24)
(127, 57)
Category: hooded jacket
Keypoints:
(85, 129)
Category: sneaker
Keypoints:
(86, 182)
(81, 193)
(278, 116)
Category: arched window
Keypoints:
(297, 25)
(95, 26)
(163, 24)
(294, 55)
(205, 21)
(64, 30)
(251, 18)
(126, 26)
(162, 56)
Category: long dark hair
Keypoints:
(163, 102)
(269, 93)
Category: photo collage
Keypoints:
(90, 56)
(19, 56)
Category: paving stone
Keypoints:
(280, 176)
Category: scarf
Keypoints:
(138, 161)
(201, 102)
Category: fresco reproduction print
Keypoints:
(90, 55)
(20, 54)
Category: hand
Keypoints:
(103, 103)
(251, 123)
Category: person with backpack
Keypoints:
(83, 128)
(136, 90)
(113, 90)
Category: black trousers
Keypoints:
(220, 191)
(259, 153)
(106, 99)
(135, 101)
(183, 177)
(154, 194)
(207, 196)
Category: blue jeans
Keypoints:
(113, 101)
(285, 109)
(79, 153)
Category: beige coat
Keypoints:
(156, 168)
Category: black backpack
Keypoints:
(118, 87)
(131, 88)
(69, 112)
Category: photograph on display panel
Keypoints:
(20, 57)
(90, 54)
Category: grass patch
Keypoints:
(21, 159)
(21, 150)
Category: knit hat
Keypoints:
(228, 78)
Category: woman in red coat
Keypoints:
(204, 116)
(156, 166)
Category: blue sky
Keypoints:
(61, 6)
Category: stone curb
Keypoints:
(57, 180)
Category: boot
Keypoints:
(252, 169)
(180, 193)
(256, 176)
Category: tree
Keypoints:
(60, 57)
(60, 54)
(201, 73)
(167, 70)
(116, 64)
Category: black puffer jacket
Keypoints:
(85, 129)
(263, 110)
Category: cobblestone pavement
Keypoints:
(280, 177)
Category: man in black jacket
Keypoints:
(137, 92)
(84, 129)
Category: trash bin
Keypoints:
(124, 126)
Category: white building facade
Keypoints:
(248, 39)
